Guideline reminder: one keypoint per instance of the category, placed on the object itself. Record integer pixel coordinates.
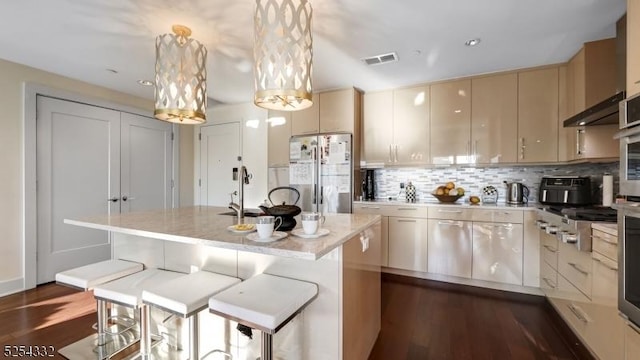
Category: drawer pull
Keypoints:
(605, 265)
(578, 313)
(604, 239)
(549, 282)
(371, 207)
(450, 211)
(550, 248)
(575, 266)
(406, 220)
(407, 208)
(450, 223)
(506, 226)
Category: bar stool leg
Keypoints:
(193, 337)
(101, 307)
(266, 346)
(145, 332)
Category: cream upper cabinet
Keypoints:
(451, 122)
(307, 121)
(411, 126)
(279, 133)
(378, 127)
(494, 118)
(538, 115)
(633, 47)
(338, 111)
(408, 243)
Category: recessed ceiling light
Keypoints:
(145, 82)
(472, 42)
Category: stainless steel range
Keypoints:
(567, 209)
(573, 224)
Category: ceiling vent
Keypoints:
(381, 59)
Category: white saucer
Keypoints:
(319, 233)
(233, 230)
(277, 235)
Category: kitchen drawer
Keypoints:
(496, 215)
(549, 249)
(576, 267)
(411, 211)
(370, 209)
(450, 213)
(605, 280)
(605, 244)
(548, 278)
(567, 290)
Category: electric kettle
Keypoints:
(517, 193)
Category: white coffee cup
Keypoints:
(266, 225)
(311, 222)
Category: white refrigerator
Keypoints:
(321, 169)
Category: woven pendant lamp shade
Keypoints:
(181, 78)
(283, 54)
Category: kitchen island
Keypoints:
(341, 323)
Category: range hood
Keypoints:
(602, 113)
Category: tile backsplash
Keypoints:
(473, 179)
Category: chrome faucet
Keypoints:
(242, 178)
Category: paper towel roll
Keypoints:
(607, 190)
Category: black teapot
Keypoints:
(284, 211)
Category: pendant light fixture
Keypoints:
(283, 54)
(181, 78)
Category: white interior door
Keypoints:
(78, 171)
(146, 163)
(219, 151)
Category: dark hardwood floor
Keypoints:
(424, 319)
(420, 320)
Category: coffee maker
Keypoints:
(369, 185)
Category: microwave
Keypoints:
(630, 111)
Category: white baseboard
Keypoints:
(13, 286)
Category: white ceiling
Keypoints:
(82, 39)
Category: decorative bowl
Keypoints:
(447, 198)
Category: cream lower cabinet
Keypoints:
(631, 342)
(408, 243)
(450, 247)
(497, 252)
(384, 232)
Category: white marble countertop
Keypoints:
(501, 205)
(204, 225)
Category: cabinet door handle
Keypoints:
(450, 223)
(578, 313)
(550, 248)
(475, 150)
(395, 158)
(575, 266)
(578, 141)
(407, 208)
(113, 199)
(604, 239)
(406, 220)
(549, 282)
(450, 211)
(522, 146)
(605, 265)
(505, 226)
(390, 153)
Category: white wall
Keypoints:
(12, 156)
(253, 123)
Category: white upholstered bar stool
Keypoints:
(186, 296)
(127, 292)
(264, 302)
(89, 276)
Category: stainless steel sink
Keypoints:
(247, 213)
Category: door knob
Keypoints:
(113, 199)
(124, 198)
